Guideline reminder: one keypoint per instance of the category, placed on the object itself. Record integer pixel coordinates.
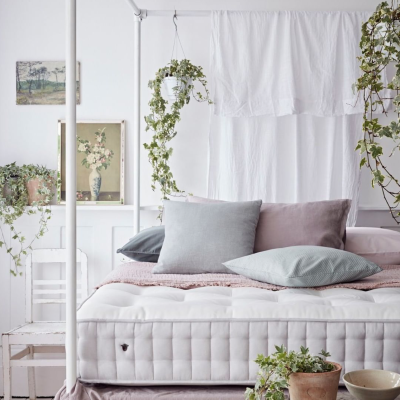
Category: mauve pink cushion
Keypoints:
(381, 246)
(319, 223)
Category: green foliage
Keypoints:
(14, 201)
(275, 370)
(162, 121)
(380, 46)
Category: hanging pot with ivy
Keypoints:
(174, 85)
(162, 120)
(25, 190)
(179, 79)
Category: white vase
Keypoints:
(94, 184)
(170, 82)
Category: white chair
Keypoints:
(40, 337)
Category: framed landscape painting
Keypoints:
(42, 82)
(99, 164)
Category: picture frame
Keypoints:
(43, 82)
(100, 162)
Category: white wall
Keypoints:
(34, 30)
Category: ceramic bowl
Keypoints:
(373, 384)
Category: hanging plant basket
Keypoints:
(179, 78)
(173, 86)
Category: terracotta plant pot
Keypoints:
(324, 385)
(32, 187)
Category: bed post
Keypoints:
(70, 68)
(136, 124)
(138, 15)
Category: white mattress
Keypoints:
(130, 335)
(121, 301)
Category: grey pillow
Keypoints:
(200, 237)
(319, 223)
(145, 246)
(303, 266)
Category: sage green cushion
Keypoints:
(303, 266)
(200, 237)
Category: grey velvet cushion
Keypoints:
(145, 246)
(200, 237)
(303, 266)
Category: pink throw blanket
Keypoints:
(137, 273)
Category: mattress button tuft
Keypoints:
(124, 347)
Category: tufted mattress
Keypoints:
(131, 335)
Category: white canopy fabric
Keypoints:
(291, 159)
(286, 121)
(285, 62)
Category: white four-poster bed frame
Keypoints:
(139, 15)
(71, 275)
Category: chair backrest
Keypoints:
(40, 291)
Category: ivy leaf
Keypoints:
(324, 353)
(303, 350)
(280, 349)
(378, 177)
(375, 150)
(362, 146)
(385, 131)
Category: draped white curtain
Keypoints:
(286, 120)
(290, 159)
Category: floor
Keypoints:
(104, 392)
(342, 395)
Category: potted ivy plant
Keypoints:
(25, 190)
(305, 376)
(39, 183)
(180, 77)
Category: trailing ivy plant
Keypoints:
(380, 46)
(14, 204)
(162, 120)
(275, 370)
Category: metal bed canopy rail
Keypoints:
(139, 15)
(166, 13)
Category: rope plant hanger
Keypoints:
(380, 45)
(178, 77)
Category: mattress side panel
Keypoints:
(223, 352)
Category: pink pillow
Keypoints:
(381, 246)
(320, 223)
